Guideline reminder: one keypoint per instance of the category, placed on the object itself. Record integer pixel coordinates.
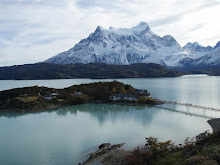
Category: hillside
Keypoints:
(93, 70)
(36, 98)
(211, 71)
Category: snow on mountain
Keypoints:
(210, 59)
(196, 50)
(217, 45)
(200, 56)
(127, 46)
(196, 47)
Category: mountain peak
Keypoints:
(123, 46)
(196, 47)
(141, 26)
(99, 29)
(196, 44)
(217, 45)
(192, 45)
(169, 41)
(111, 28)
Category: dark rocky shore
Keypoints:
(108, 154)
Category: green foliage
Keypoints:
(102, 90)
(152, 152)
(79, 99)
(197, 160)
(123, 91)
(138, 157)
(205, 151)
(26, 92)
(33, 97)
(189, 143)
(114, 90)
(147, 100)
(212, 151)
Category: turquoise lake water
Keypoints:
(68, 135)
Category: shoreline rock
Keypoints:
(105, 152)
(215, 124)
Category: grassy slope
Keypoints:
(212, 71)
(94, 70)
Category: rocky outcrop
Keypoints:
(215, 124)
(104, 151)
(104, 145)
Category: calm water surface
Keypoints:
(68, 135)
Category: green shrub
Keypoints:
(147, 100)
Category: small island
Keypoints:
(30, 99)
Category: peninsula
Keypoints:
(30, 99)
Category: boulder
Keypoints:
(104, 145)
(215, 124)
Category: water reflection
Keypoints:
(100, 112)
(67, 135)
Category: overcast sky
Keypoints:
(35, 30)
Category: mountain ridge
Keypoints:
(92, 70)
(123, 46)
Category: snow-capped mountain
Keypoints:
(210, 59)
(201, 57)
(135, 45)
(196, 48)
(217, 45)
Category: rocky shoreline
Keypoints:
(108, 154)
(30, 110)
(54, 106)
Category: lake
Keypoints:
(68, 135)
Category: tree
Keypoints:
(114, 90)
(123, 91)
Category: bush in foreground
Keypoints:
(193, 152)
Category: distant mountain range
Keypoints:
(122, 53)
(138, 45)
(93, 70)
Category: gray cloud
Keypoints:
(34, 30)
(88, 3)
(100, 3)
(165, 20)
(178, 16)
(197, 27)
(209, 3)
